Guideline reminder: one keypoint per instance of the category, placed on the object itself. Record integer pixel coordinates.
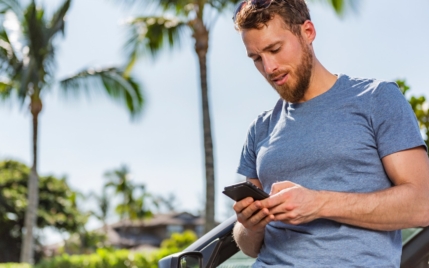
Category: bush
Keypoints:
(14, 265)
(108, 258)
(103, 258)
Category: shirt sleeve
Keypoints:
(393, 120)
(247, 165)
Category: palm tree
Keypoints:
(153, 33)
(103, 207)
(130, 207)
(27, 67)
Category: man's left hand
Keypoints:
(292, 204)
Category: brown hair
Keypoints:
(293, 12)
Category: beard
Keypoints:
(294, 92)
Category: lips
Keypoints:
(280, 79)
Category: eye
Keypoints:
(274, 51)
(256, 59)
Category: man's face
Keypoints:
(281, 57)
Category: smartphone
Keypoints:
(244, 189)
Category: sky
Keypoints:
(82, 138)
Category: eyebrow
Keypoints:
(269, 47)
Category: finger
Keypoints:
(278, 186)
(290, 219)
(257, 217)
(283, 207)
(279, 209)
(258, 221)
(287, 216)
(273, 201)
(262, 223)
(250, 210)
(242, 204)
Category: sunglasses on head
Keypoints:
(259, 5)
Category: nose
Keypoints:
(270, 65)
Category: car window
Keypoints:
(409, 233)
(238, 260)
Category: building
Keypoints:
(136, 235)
(149, 233)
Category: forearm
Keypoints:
(249, 242)
(398, 207)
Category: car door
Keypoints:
(218, 249)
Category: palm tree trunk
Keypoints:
(201, 36)
(27, 249)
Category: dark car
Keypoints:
(217, 248)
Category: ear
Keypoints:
(308, 32)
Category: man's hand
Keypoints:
(251, 216)
(249, 231)
(291, 203)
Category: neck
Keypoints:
(321, 81)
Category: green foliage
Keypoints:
(179, 241)
(341, 7)
(420, 108)
(116, 84)
(27, 65)
(84, 242)
(131, 207)
(161, 30)
(176, 243)
(15, 265)
(103, 205)
(108, 258)
(103, 258)
(56, 208)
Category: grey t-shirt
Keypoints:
(332, 142)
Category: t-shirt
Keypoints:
(333, 142)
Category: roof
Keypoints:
(174, 218)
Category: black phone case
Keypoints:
(245, 189)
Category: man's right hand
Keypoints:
(252, 219)
(251, 216)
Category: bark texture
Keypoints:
(201, 37)
(27, 249)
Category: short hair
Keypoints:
(293, 12)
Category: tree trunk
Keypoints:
(201, 36)
(27, 249)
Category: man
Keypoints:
(342, 158)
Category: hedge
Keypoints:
(14, 265)
(105, 258)
(111, 258)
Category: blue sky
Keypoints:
(83, 138)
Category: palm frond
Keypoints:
(122, 89)
(9, 63)
(177, 6)
(6, 49)
(12, 26)
(341, 7)
(25, 78)
(37, 37)
(6, 90)
(57, 22)
(13, 5)
(14, 55)
(338, 5)
(151, 34)
(222, 5)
